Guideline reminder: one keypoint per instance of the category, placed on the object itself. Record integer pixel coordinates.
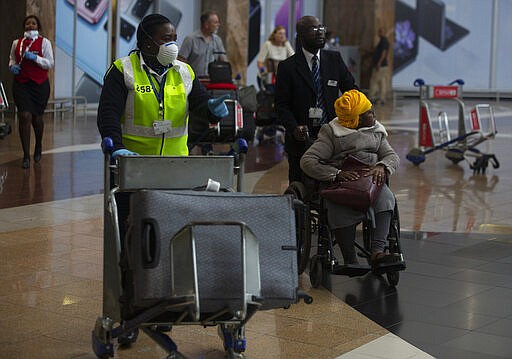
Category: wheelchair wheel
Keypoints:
(393, 278)
(303, 225)
(394, 232)
(367, 238)
(315, 271)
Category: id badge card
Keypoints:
(160, 127)
(315, 115)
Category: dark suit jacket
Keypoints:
(295, 91)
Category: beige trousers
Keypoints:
(379, 84)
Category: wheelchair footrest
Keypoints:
(352, 270)
(385, 267)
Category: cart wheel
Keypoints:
(127, 339)
(393, 278)
(315, 271)
(455, 155)
(416, 156)
(176, 355)
(101, 338)
(102, 350)
(303, 225)
(233, 339)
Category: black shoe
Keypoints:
(382, 258)
(26, 163)
(37, 156)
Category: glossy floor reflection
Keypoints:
(453, 301)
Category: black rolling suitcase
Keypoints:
(156, 216)
(266, 113)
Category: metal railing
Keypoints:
(66, 104)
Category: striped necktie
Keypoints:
(320, 103)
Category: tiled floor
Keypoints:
(453, 301)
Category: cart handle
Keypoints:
(418, 82)
(457, 81)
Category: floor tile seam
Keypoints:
(496, 319)
(465, 331)
(481, 333)
(425, 260)
(50, 307)
(51, 204)
(470, 280)
(288, 340)
(479, 329)
(69, 221)
(425, 228)
(407, 288)
(379, 298)
(470, 351)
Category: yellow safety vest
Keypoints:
(142, 109)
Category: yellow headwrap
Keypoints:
(349, 106)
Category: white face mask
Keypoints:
(32, 34)
(167, 53)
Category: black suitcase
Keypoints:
(156, 216)
(266, 114)
(220, 72)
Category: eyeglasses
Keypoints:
(317, 29)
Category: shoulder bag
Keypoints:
(359, 194)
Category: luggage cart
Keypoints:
(434, 135)
(153, 295)
(5, 128)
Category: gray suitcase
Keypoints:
(156, 216)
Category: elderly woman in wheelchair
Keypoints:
(356, 132)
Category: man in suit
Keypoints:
(305, 100)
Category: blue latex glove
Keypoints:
(15, 69)
(123, 152)
(29, 55)
(217, 106)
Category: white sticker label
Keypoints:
(162, 127)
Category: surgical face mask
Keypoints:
(167, 53)
(32, 34)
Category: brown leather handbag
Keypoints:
(359, 194)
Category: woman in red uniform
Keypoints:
(30, 59)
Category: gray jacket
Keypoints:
(335, 142)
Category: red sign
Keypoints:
(475, 123)
(444, 92)
(239, 116)
(425, 136)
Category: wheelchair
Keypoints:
(311, 221)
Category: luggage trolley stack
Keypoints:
(434, 136)
(176, 263)
(5, 128)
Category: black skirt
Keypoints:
(31, 97)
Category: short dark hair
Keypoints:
(148, 26)
(35, 18)
(303, 24)
(205, 16)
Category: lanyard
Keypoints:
(26, 48)
(158, 94)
